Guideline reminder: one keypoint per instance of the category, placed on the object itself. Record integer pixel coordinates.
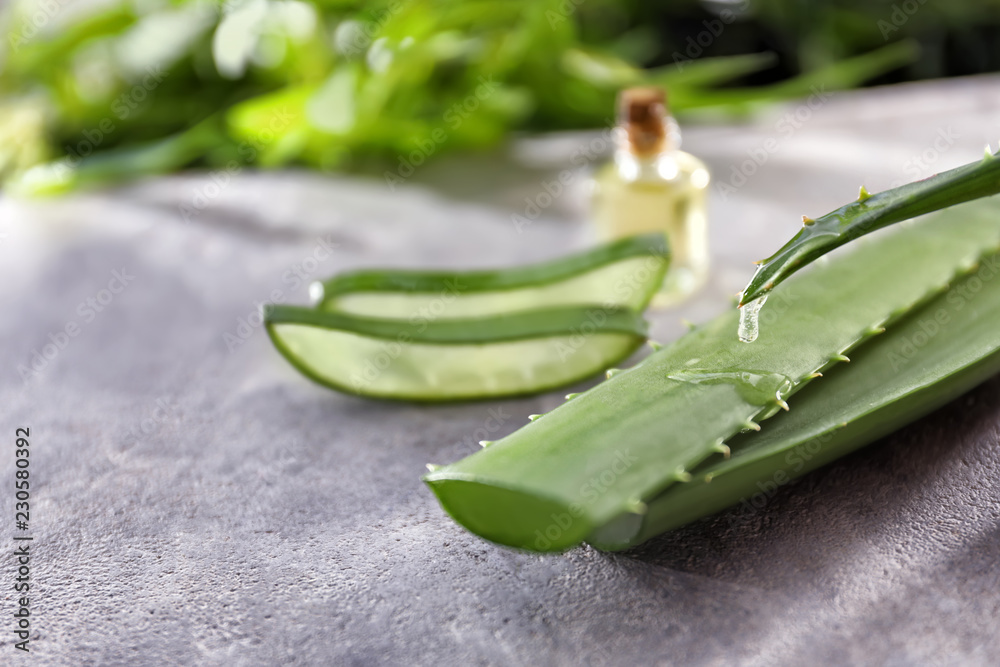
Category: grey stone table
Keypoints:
(196, 501)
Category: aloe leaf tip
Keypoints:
(869, 213)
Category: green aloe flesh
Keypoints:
(935, 354)
(447, 360)
(624, 273)
(613, 449)
(873, 212)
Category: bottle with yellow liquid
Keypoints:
(651, 185)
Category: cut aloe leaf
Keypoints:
(871, 213)
(447, 360)
(611, 450)
(622, 274)
(937, 353)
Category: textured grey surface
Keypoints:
(201, 505)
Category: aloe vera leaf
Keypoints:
(448, 360)
(704, 72)
(553, 482)
(882, 389)
(624, 273)
(870, 213)
(110, 166)
(847, 73)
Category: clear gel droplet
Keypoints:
(759, 387)
(749, 322)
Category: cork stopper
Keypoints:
(642, 112)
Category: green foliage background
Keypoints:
(104, 90)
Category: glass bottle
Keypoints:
(651, 185)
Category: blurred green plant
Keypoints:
(99, 91)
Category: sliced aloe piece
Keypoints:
(607, 452)
(446, 360)
(937, 353)
(625, 274)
